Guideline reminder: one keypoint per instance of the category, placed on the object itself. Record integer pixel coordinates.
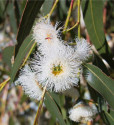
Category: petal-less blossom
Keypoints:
(82, 49)
(60, 71)
(54, 47)
(44, 31)
(46, 35)
(29, 84)
(82, 113)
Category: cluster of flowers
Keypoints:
(55, 65)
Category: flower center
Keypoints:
(48, 37)
(57, 70)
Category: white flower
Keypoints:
(45, 34)
(82, 113)
(29, 84)
(44, 31)
(53, 47)
(82, 49)
(60, 71)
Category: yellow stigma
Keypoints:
(57, 70)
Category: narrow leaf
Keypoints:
(6, 5)
(45, 9)
(11, 13)
(17, 12)
(93, 16)
(99, 63)
(53, 109)
(30, 12)
(30, 51)
(100, 82)
(7, 55)
(24, 49)
(110, 117)
(2, 7)
(56, 98)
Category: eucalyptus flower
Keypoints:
(82, 49)
(82, 113)
(46, 35)
(59, 71)
(29, 83)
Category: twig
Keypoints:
(72, 27)
(69, 13)
(40, 107)
(4, 83)
(50, 13)
(79, 18)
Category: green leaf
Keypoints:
(10, 11)
(100, 82)
(1, 7)
(63, 6)
(99, 63)
(24, 49)
(47, 6)
(53, 109)
(30, 12)
(7, 55)
(56, 98)
(109, 117)
(103, 108)
(60, 101)
(23, 4)
(107, 113)
(93, 17)
(6, 5)
(17, 12)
